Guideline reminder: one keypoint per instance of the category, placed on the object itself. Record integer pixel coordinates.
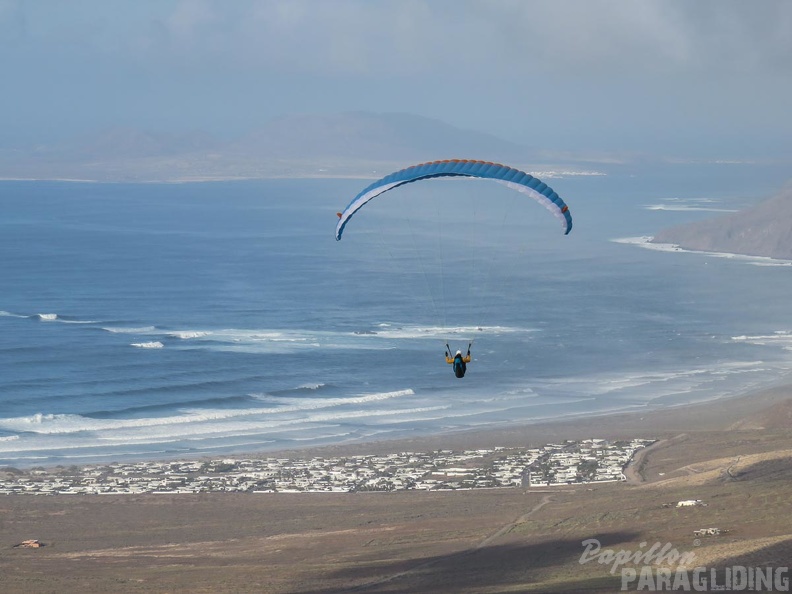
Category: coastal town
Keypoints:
(569, 462)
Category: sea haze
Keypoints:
(172, 320)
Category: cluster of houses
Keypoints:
(590, 460)
(585, 461)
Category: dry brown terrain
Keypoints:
(735, 456)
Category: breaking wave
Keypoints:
(202, 422)
(122, 330)
(186, 335)
(148, 345)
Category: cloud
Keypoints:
(590, 71)
(356, 37)
(191, 21)
(416, 37)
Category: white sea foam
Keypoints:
(46, 317)
(689, 204)
(260, 341)
(302, 424)
(771, 262)
(141, 330)
(680, 207)
(272, 341)
(32, 421)
(51, 317)
(156, 344)
(558, 174)
(648, 385)
(780, 337)
(311, 403)
(306, 337)
(67, 431)
(442, 332)
(188, 334)
(646, 243)
(71, 423)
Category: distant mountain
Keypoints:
(124, 143)
(357, 144)
(764, 230)
(362, 135)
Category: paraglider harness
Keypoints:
(459, 365)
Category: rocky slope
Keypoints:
(764, 230)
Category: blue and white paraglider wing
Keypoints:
(508, 176)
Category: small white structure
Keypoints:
(690, 503)
(707, 532)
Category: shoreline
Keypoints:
(648, 243)
(717, 414)
(650, 423)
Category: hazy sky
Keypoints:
(710, 77)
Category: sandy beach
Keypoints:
(733, 454)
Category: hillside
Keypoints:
(777, 417)
(764, 230)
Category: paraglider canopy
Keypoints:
(508, 176)
(439, 265)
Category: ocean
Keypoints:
(157, 321)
